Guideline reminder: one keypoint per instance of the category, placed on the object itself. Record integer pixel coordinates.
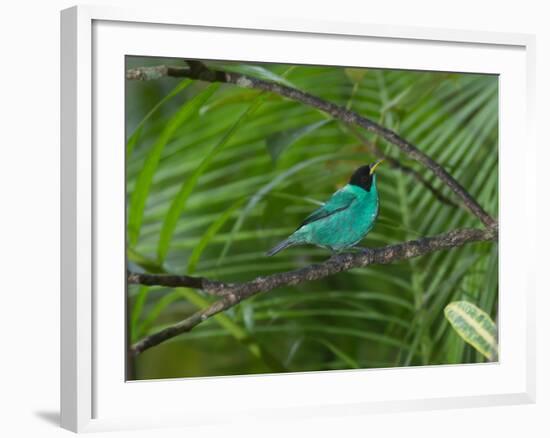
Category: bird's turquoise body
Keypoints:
(342, 222)
(350, 214)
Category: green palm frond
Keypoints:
(282, 161)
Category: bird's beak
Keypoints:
(373, 168)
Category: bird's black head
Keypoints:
(364, 176)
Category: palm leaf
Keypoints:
(144, 179)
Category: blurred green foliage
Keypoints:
(216, 175)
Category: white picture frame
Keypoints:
(93, 395)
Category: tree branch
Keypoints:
(234, 293)
(209, 286)
(197, 70)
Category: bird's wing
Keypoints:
(340, 201)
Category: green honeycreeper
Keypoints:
(344, 219)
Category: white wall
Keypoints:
(29, 185)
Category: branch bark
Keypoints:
(233, 293)
(209, 286)
(197, 70)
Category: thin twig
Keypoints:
(396, 164)
(200, 71)
(234, 293)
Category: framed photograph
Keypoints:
(284, 219)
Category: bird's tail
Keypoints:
(280, 246)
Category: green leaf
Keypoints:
(355, 75)
(236, 331)
(145, 262)
(208, 235)
(145, 177)
(302, 199)
(396, 100)
(248, 316)
(278, 142)
(178, 204)
(474, 326)
(157, 310)
(351, 315)
(348, 360)
(257, 72)
(130, 144)
(334, 295)
(136, 311)
(240, 98)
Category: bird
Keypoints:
(344, 220)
